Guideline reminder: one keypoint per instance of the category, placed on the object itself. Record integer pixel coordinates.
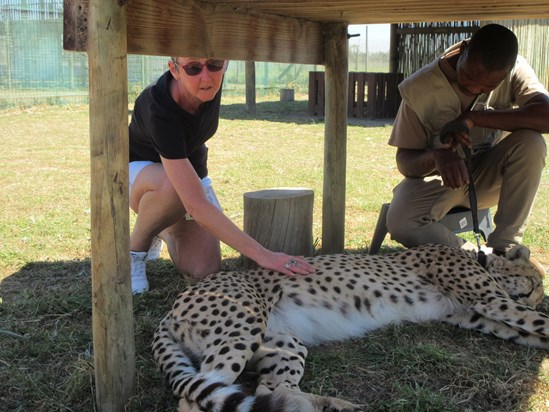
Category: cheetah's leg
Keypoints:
(220, 359)
(280, 363)
(474, 321)
(514, 314)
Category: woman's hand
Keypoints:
(286, 264)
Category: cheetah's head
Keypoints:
(519, 274)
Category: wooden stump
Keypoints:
(287, 95)
(281, 220)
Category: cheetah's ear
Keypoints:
(518, 252)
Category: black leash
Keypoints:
(472, 195)
(466, 154)
(481, 256)
(473, 203)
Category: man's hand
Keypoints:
(451, 167)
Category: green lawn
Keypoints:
(46, 361)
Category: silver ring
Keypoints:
(290, 263)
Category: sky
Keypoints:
(377, 36)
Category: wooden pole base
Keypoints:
(281, 220)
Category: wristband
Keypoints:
(455, 126)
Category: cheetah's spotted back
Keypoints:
(263, 321)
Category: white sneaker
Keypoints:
(155, 249)
(469, 246)
(140, 283)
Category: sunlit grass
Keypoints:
(46, 360)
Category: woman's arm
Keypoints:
(187, 185)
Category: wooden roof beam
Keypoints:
(192, 28)
(397, 11)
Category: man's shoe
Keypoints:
(140, 283)
(155, 249)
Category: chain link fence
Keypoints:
(34, 68)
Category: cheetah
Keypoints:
(263, 321)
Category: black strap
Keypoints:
(455, 126)
(472, 191)
(481, 259)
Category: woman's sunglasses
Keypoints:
(195, 68)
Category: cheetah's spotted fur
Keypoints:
(262, 320)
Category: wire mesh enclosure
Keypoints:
(34, 68)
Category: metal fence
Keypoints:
(34, 68)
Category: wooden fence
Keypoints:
(420, 43)
(371, 95)
(417, 44)
(533, 37)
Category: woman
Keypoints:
(169, 186)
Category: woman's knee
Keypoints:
(193, 250)
(153, 187)
(201, 268)
(165, 201)
(167, 193)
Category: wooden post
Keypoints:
(316, 94)
(250, 87)
(336, 51)
(351, 94)
(281, 220)
(113, 328)
(393, 49)
(361, 99)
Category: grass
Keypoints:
(46, 354)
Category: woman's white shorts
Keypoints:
(139, 165)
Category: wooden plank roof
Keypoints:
(272, 30)
(391, 11)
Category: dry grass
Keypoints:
(46, 354)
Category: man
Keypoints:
(481, 95)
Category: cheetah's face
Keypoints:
(519, 275)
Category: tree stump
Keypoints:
(281, 220)
(287, 95)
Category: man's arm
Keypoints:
(415, 162)
(532, 115)
(414, 159)
(423, 162)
